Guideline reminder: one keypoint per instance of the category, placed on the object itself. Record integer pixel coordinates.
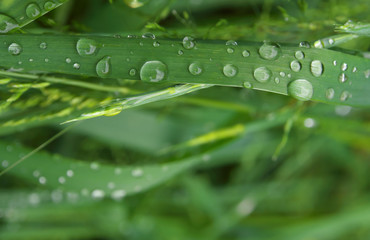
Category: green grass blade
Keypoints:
(323, 75)
(18, 13)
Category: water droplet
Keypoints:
(70, 173)
(156, 44)
(111, 185)
(30, 60)
(97, 194)
(231, 43)
(277, 80)
(309, 123)
(137, 172)
(117, 171)
(94, 166)
(354, 69)
(318, 44)
(344, 67)
(195, 68)
(300, 89)
(118, 194)
(262, 74)
(132, 72)
(246, 53)
(153, 71)
(230, 70)
(342, 78)
(43, 45)
(49, 5)
(15, 49)
(317, 68)
(335, 63)
(299, 55)
(248, 85)
(5, 163)
(295, 66)
(46, 59)
(330, 93)
(180, 52)
(103, 67)
(7, 23)
(36, 173)
(344, 96)
(188, 42)
(34, 199)
(131, 36)
(86, 47)
(331, 41)
(76, 66)
(141, 43)
(343, 110)
(304, 44)
(148, 35)
(42, 180)
(33, 10)
(282, 74)
(269, 51)
(61, 180)
(230, 50)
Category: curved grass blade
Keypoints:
(18, 13)
(304, 73)
(358, 28)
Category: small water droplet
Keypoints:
(262, 74)
(354, 69)
(230, 50)
(97, 194)
(103, 67)
(86, 47)
(76, 66)
(330, 93)
(195, 68)
(304, 44)
(295, 66)
(94, 166)
(61, 180)
(148, 35)
(231, 43)
(156, 44)
(299, 55)
(342, 78)
(282, 74)
(137, 172)
(180, 52)
(36, 173)
(248, 85)
(141, 43)
(131, 36)
(49, 5)
(42, 180)
(43, 45)
(335, 63)
(188, 42)
(317, 68)
(153, 71)
(70, 173)
(269, 51)
(230, 70)
(111, 185)
(318, 44)
(132, 72)
(344, 96)
(5, 163)
(277, 80)
(15, 49)
(33, 10)
(68, 60)
(46, 60)
(300, 89)
(309, 123)
(344, 67)
(246, 53)
(118, 194)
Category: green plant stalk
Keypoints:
(124, 58)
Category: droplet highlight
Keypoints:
(295, 66)
(188, 42)
(300, 89)
(15, 49)
(86, 47)
(33, 10)
(153, 71)
(195, 68)
(230, 70)
(262, 74)
(269, 51)
(317, 68)
(103, 67)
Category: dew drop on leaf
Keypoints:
(230, 70)
(148, 35)
(300, 89)
(299, 55)
(262, 74)
(132, 72)
(153, 71)
(97, 194)
(118, 194)
(344, 67)
(49, 5)
(43, 45)
(344, 96)
(342, 78)
(304, 44)
(156, 44)
(33, 10)
(15, 49)
(103, 67)
(68, 60)
(137, 172)
(86, 47)
(247, 85)
(246, 53)
(330, 93)
(295, 66)
(195, 68)
(188, 42)
(317, 68)
(269, 51)
(76, 66)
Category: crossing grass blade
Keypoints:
(17, 13)
(302, 72)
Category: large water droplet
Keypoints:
(33, 10)
(15, 49)
(86, 47)
(103, 67)
(342, 78)
(153, 71)
(299, 55)
(300, 89)
(188, 42)
(230, 70)
(49, 5)
(295, 66)
(195, 68)
(330, 93)
(262, 74)
(148, 35)
(7, 23)
(317, 68)
(269, 51)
